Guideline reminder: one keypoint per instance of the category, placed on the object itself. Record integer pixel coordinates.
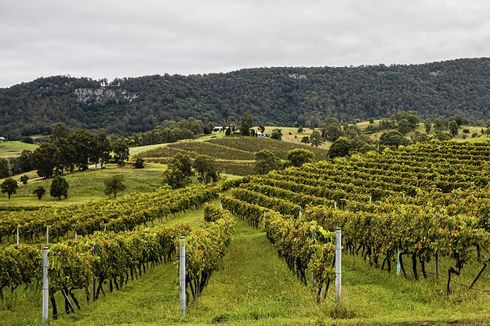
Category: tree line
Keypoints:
(282, 96)
(67, 150)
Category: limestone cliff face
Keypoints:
(103, 94)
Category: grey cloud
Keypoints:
(131, 38)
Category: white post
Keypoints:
(335, 205)
(338, 266)
(183, 299)
(398, 265)
(45, 285)
(76, 234)
(370, 199)
(47, 235)
(17, 236)
(300, 213)
(105, 227)
(220, 204)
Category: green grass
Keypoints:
(89, 185)
(291, 134)
(14, 148)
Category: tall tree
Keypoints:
(266, 161)
(341, 147)
(246, 124)
(453, 127)
(9, 186)
(46, 158)
(121, 151)
(332, 129)
(315, 138)
(206, 169)
(113, 185)
(59, 187)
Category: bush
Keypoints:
(39, 192)
(24, 179)
(140, 163)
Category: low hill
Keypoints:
(280, 96)
(234, 155)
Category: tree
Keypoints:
(9, 186)
(208, 129)
(404, 126)
(85, 147)
(332, 129)
(140, 163)
(246, 124)
(206, 169)
(276, 134)
(412, 118)
(341, 147)
(298, 157)
(39, 192)
(24, 161)
(113, 185)
(182, 163)
(179, 172)
(175, 178)
(121, 151)
(4, 168)
(59, 187)
(261, 128)
(453, 128)
(102, 151)
(266, 161)
(428, 126)
(460, 119)
(440, 124)
(315, 138)
(24, 179)
(305, 139)
(300, 130)
(45, 158)
(393, 138)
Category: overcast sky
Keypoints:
(118, 38)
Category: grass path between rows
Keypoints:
(253, 287)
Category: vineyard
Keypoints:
(427, 204)
(420, 215)
(234, 155)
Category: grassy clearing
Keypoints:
(291, 134)
(14, 148)
(89, 185)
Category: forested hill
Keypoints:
(273, 95)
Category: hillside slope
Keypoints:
(282, 96)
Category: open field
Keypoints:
(14, 148)
(89, 185)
